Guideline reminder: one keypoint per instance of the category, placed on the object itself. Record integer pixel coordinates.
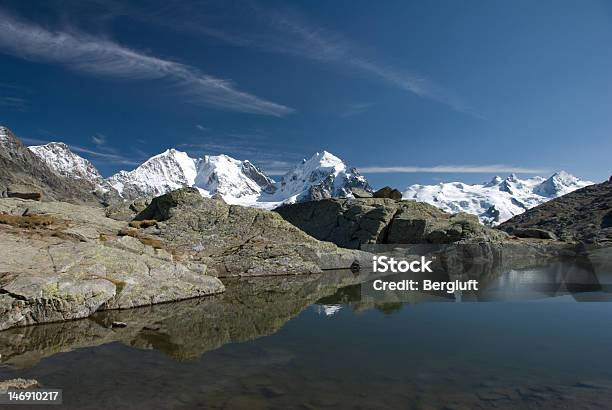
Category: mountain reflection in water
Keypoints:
(212, 352)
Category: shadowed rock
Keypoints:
(583, 215)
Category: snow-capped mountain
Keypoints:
(232, 179)
(66, 163)
(322, 176)
(497, 200)
(238, 182)
(159, 174)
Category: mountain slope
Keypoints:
(498, 200)
(584, 215)
(20, 166)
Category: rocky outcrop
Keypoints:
(352, 223)
(60, 261)
(584, 215)
(237, 241)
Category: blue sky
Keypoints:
(408, 92)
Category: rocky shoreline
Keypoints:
(62, 261)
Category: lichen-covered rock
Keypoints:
(127, 210)
(236, 240)
(60, 261)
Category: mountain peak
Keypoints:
(559, 183)
(64, 162)
(324, 175)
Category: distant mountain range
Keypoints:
(499, 199)
(62, 174)
(238, 182)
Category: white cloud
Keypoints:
(101, 57)
(457, 169)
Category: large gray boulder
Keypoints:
(236, 241)
(352, 223)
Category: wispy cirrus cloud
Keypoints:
(101, 57)
(316, 43)
(287, 32)
(458, 169)
(13, 96)
(18, 103)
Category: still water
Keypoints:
(536, 338)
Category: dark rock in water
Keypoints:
(584, 215)
(388, 192)
(117, 324)
(351, 223)
(361, 193)
(533, 233)
(19, 166)
(235, 240)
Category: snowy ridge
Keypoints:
(66, 163)
(236, 181)
(63, 161)
(497, 200)
(164, 172)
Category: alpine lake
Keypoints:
(527, 338)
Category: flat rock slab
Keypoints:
(70, 269)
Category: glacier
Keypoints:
(497, 200)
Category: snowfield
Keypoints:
(497, 200)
